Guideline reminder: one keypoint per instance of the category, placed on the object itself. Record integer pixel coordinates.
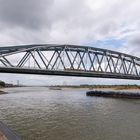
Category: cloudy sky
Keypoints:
(111, 24)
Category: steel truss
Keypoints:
(69, 60)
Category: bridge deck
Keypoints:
(67, 73)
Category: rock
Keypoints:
(2, 136)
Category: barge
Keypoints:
(114, 94)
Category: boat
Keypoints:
(55, 88)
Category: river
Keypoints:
(37, 113)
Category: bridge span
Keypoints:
(68, 60)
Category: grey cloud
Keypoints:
(25, 13)
(132, 45)
(67, 20)
(135, 40)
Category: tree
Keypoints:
(2, 84)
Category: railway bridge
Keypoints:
(68, 60)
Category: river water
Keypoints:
(37, 113)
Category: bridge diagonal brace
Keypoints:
(43, 56)
(3, 62)
(7, 61)
(125, 66)
(71, 67)
(23, 59)
(92, 62)
(81, 60)
(74, 60)
(49, 64)
(42, 59)
(55, 59)
(108, 63)
(129, 68)
(134, 64)
(116, 65)
(113, 63)
(59, 56)
(100, 62)
(35, 60)
(122, 65)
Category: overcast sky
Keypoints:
(111, 24)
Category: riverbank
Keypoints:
(99, 87)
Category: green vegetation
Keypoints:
(2, 84)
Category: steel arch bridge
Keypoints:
(68, 60)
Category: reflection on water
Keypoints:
(42, 114)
